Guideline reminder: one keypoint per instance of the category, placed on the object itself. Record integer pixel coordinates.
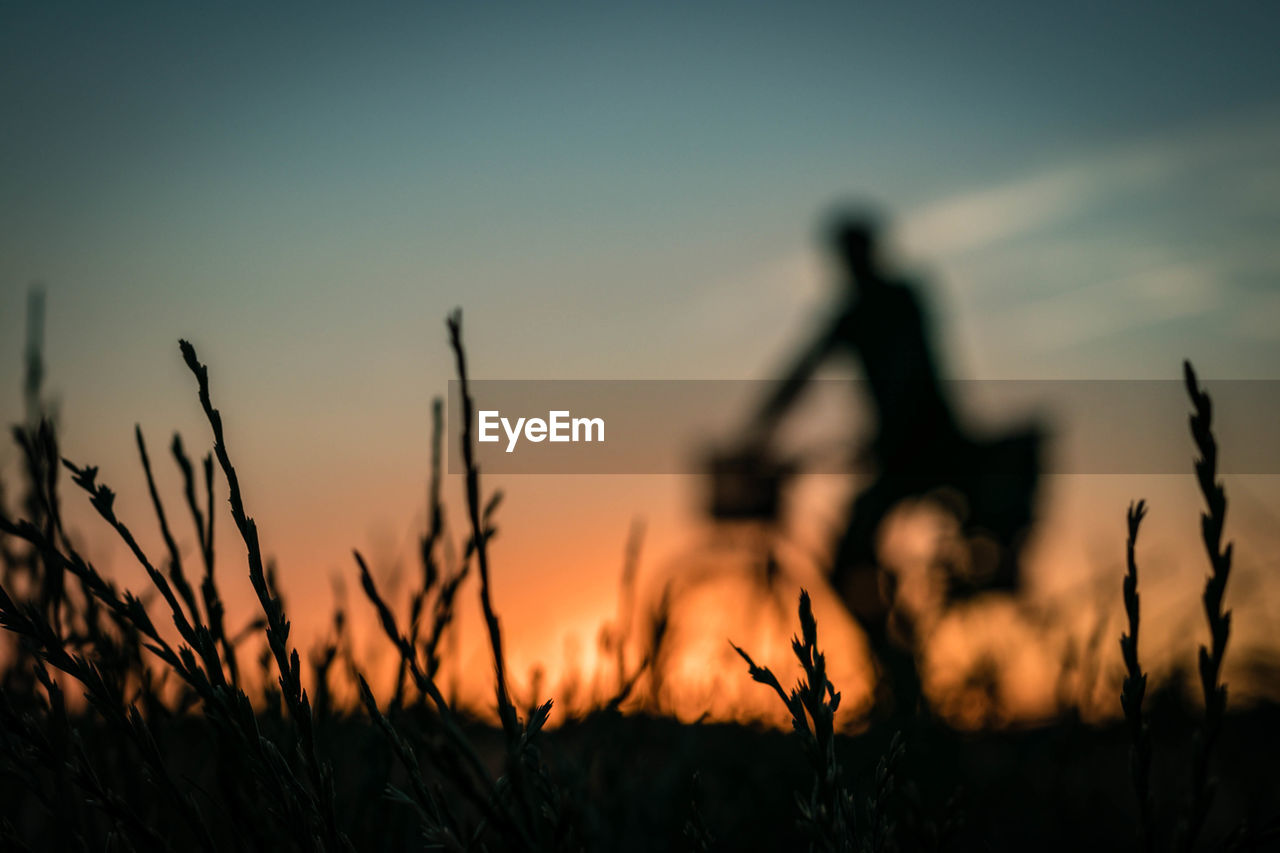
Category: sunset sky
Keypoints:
(611, 192)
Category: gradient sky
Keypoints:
(607, 192)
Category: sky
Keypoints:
(608, 191)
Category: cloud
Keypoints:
(1076, 317)
(986, 216)
(983, 217)
(1180, 226)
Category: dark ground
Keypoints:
(629, 784)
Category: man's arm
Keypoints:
(777, 404)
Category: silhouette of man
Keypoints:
(880, 323)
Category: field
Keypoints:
(183, 740)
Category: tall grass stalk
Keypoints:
(1212, 522)
(480, 533)
(1134, 688)
(827, 814)
(533, 791)
(319, 773)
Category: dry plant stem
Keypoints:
(176, 574)
(626, 605)
(40, 450)
(435, 511)
(628, 686)
(438, 825)
(105, 694)
(427, 556)
(43, 541)
(277, 630)
(229, 710)
(126, 608)
(37, 509)
(471, 779)
(215, 611)
(506, 710)
(208, 502)
(189, 492)
(409, 655)
(525, 774)
(102, 498)
(442, 617)
(827, 814)
(1135, 686)
(880, 827)
(1212, 522)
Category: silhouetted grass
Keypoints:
(827, 814)
(1210, 660)
(173, 749)
(1135, 684)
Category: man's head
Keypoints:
(853, 236)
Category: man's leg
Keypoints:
(869, 595)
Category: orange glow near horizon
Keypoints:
(558, 557)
